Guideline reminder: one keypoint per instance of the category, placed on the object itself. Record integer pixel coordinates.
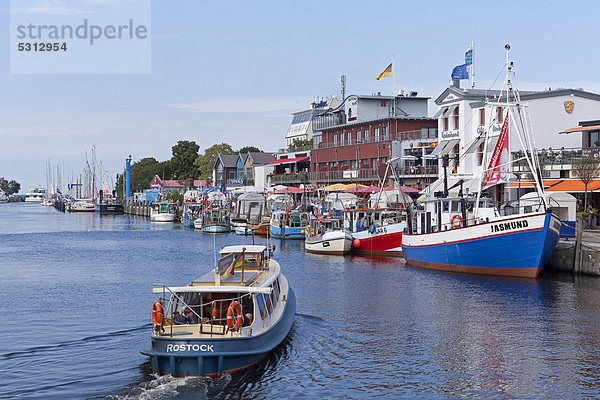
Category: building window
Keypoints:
(334, 139)
(373, 162)
(446, 123)
(376, 131)
(456, 119)
(343, 163)
(365, 161)
(357, 136)
(348, 138)
(366, 135)
(480, 153)
(481, 116)
(342, 139)
(383, 160)
(322, 165)
(384, 133)
(331, 164)
(594, 138)
(456, 150)
(354, 164)
(231, 174)
(499, 114)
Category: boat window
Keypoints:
(269, 303)
(261, 306)
(445, 206)
(455, 206)
(274, 296)
(276, 288)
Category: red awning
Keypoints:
(287, 161)
(574, 186)
(582, 129)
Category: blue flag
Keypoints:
(469, 57)
(460, 72)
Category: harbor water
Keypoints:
(76, 307)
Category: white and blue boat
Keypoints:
(466, 233)
(289, 224)
(191, 212)
(214, 220)
(240, 311)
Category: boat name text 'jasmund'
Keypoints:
(189, 347)
(507, 226)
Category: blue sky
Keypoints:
(233, 72)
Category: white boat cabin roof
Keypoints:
(239, 248)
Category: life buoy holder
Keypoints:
(157, 315)
(456, 221)
(234, 308)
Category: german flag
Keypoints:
(387, 73)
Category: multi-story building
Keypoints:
(242, 169)
(301, 127)
(463, 117)
(353, 141)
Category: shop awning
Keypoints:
(574, 186)
(288, 161)
(529, 184)
(582, 129)
(444, 147)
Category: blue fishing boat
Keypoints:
(233, 316)
(471, 234)
(191, 212)
(289, 224)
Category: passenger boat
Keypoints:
(375, 231)
(191, 212)
(162, 212)
(466, 233)
(288, 224)
(326, 236)
(240, 311)
(35, 195)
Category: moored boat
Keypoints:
(81, 205)
(214, 220)
(288, 224)
(162, 212)
(36, 195)
(375, 231)
(233, 316)
(326, 236)
(3, 197)
(191, 212)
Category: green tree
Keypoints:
(11, 187)
(182, 162)
(205, 162)
(585, 170)
(300, 144)
(250, 149)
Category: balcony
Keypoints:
(550, 159)
(292, 177)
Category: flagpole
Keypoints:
(473, 64)
(393, 86)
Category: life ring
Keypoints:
(456, 221)
(236, 308)
(157, 315)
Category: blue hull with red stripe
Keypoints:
(510, 246)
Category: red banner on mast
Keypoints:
(495, 173)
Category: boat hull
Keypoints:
(182, 357)
(189, 222)
(512, 246)
(286, 232)
(110, 208)
(380, 241)
(162, 217)
(336, 242)
(215, 229)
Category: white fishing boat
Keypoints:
(326, 236)
(3, 197)
(236, 314)
(81, 205)
(163, 212)
(214, 220)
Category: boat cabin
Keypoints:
(240, 296)
(292, 219)
(163, 208)
(319, 226)
(438, 215)
(356, 220)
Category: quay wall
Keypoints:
(579, 256)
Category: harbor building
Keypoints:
(301, 127)
(462, 119)
(249, 169)
(353, 142)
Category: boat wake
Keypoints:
(33, 351)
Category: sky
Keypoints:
(234, 71)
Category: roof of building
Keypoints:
(228, 160)
(482, 94)
(382, 97)
(262, 158)
(371, 121)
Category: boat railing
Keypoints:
(211, 320)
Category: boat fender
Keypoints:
(456, 221)
(157, 315)
(236, 308)
(372, 229)
(356, 243)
